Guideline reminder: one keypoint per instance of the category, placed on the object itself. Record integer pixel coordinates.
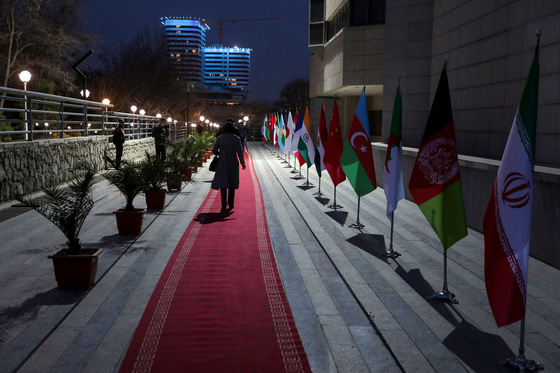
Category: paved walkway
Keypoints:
(356, 310)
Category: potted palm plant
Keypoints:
(152, 171)
(173, 170)
(128, 180)
(67, 208)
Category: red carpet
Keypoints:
(220, 305)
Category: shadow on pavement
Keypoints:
(11, 317)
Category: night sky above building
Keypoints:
(279, 46)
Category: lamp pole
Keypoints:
(25, 77)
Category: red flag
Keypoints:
(333, 149)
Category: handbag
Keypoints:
(214, 163)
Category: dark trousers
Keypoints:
(160, 152)
(118, 155)
(228, 197)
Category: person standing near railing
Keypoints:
(118, 140)
(160, 134)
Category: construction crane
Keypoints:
(221, 22)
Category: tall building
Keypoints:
(227, 70)
(186, 40)
(221, 75)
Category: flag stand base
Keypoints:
(307, 183)
(444, 295)
(318, 193)
(357, 225)
(334, 206)
(392, 254)
(522, 364)
(294, 171)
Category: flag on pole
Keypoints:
(507, 220)
(306, 147)
(392, 175)
(333, 149)
(357, 156)
(295, 139)
(435, 182)
(264, 129)
(321, 138)
(289, 133)
(282, 134)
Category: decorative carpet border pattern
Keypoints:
(286, 342)
(147, 352)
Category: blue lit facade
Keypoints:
(186, 40)
(222, 74)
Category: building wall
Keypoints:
(27, 167)
(488, 47)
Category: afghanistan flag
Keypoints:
(507, 220)
(333, 149)
(392, 175)
(435, 182)
(357, 156)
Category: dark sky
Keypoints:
(279, 47)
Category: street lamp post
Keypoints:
(140, 131)
(25, 77)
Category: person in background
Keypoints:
(226, 179)
(118, 140)
(160, 134)
(242, 133)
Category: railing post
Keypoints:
(84, 119)
(28, 119)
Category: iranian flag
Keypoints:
(357, 156)
(507, 220)
(333, 149)
(392, 174)
(435, 182)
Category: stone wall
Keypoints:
(477, 179)
(27, 167)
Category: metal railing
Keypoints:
(28, 115)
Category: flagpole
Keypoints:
(392, 253)
(307, 183)
(334, 205)
(318, 193)
(357, 224)
(444, 294)
(521, 363)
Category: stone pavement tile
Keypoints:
(375, 353)
(344, 349)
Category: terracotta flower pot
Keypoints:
(75, 272)
(175, 184)
(155, 199)
(187, 172)
(194, 167)
(130, 222)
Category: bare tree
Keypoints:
(294, 94)
(43, 36)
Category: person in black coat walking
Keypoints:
(118, 140)
(160, 134)
(226, 179)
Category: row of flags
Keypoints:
(435, 182)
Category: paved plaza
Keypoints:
(355, 309)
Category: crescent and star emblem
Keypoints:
(363, 148)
